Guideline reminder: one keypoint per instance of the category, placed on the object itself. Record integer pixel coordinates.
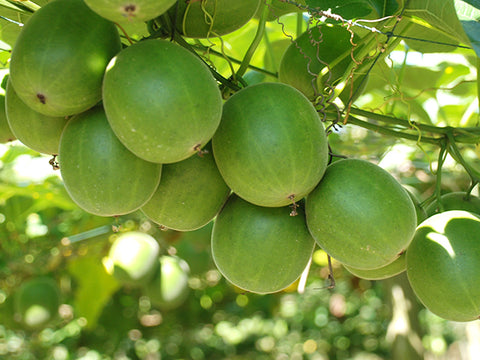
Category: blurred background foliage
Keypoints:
(44, 234)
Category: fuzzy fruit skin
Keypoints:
(260, 249)
(37, 301)
(60, 56)
(227, 15)
(190, 194)
(6, 133)
(442, 265)
(169, 287)
(132, 258)
(99, 173)
(394, 268)
(161, 101)
(455, 201)
(270, 145)
(122, 11)
(37, 131)
(360, 215)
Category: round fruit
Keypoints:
(59, 58)
(98, 172)
(190, 194)
(132, 258)
(129, 10)
(37, 301)
(260, 249)
(161, 101)
(305, 60)
(169, 288)
(271, 146)
(360, 215)
(394, 268)
(212, 18)
(455, 201)
(37, 131)
(6, 133)
(442, 265)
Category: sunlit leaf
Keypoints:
(470, 19)
(348, 10)
(439, 14)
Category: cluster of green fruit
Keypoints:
(145, 127)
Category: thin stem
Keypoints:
(256, 41)
(438, 184)
(396, 121)
(300, 22)
(454, 151)
(394, 133)
(181, 41)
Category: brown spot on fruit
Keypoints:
(130, 10)
(42, 98)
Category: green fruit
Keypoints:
(129, 10)
(59, 58)
(455, 201)
(161, 101)
(212, 18)
(37, 301)
(394, 268)
(132, 258)
(169, 288)
(194, 248)
(360, 215)
(260, 249)
(307, 57)
(419, 210)
(6, 133)
(37, 131)
(442, 265)
(190, 194)
(271, 146)
(98, 172)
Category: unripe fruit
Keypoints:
(169, 287)
(60, 56)
(132, 258)
(271, 146)
(360, 215)
(190, 194)
(161, 101)
(129, 10)
(37, 301)
(260, 249)
(37, 131)
(99, 173)
(442, 265)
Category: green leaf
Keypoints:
(11, 6)
(356, 8)
(440, 14)
(94, 289)
(384, 7)
(469, 17)
(474, 3)
(350, 10)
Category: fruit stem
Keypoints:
(256, 40)
(398, 134)
(442, 155)
(454, 151)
